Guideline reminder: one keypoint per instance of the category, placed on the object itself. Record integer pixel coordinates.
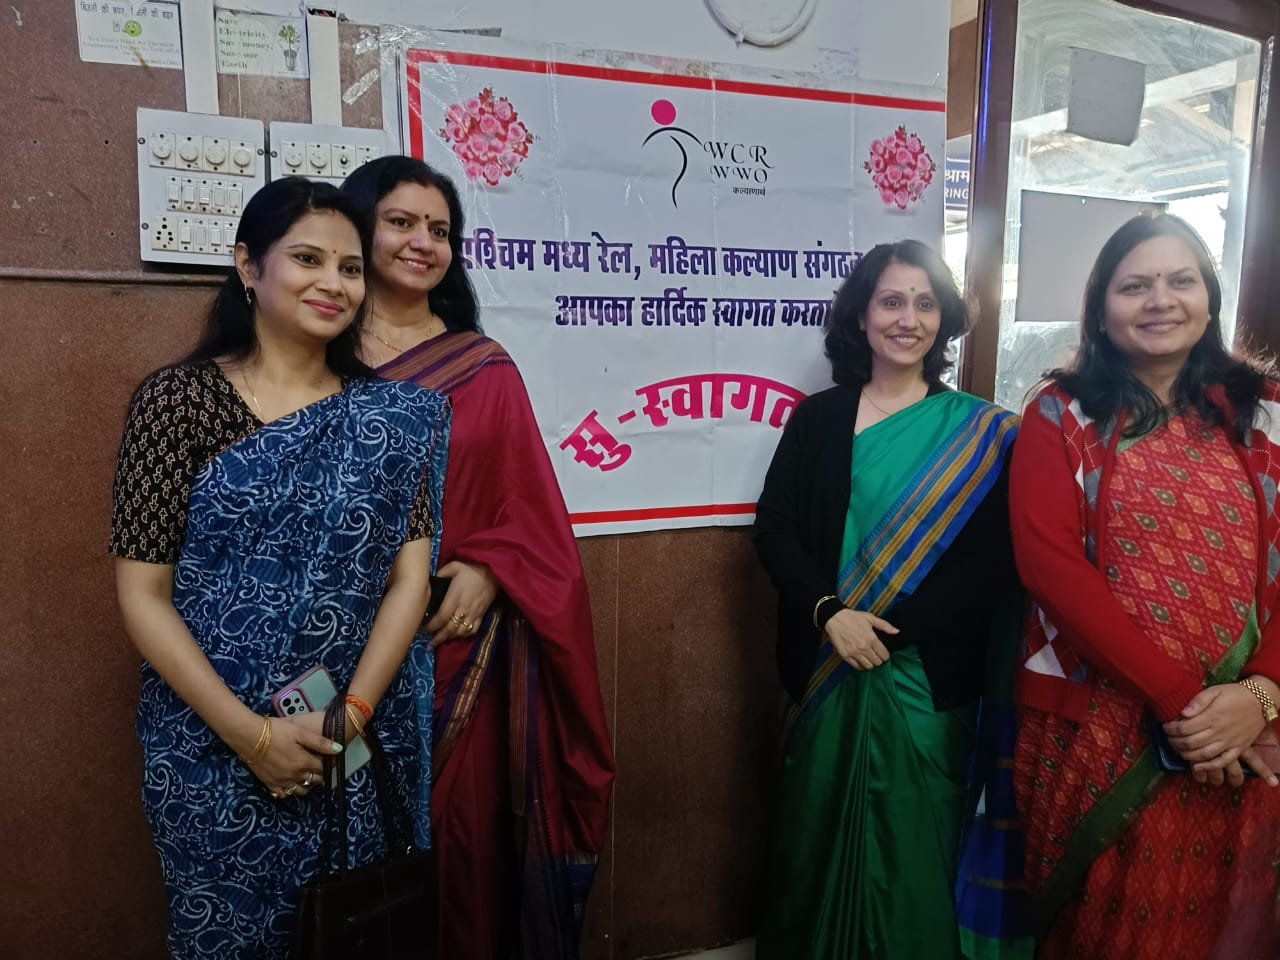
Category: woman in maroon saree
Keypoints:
(522, 760)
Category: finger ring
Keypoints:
(290, 789)
(306, 782)
(466, 625)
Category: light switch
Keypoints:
(293, 155)
(344, 159)
(189, 153)
(215, 236)
(215, 153)
(242, 159)
(219, 196)
(188, 192)
(206, 193)
(202, 236)
(234, 194)
(184, 232)
(319, 158)
(162, 150)
(173, 192)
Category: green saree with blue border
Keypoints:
(873, 781)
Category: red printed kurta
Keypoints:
(1180, 525)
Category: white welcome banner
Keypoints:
(658, 252)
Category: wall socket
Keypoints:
(164, 233)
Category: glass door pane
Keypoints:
(1191, 158)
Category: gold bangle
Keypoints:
(354, 718)
(818, 605)
(262, 746)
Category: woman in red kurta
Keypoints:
(522, 759)
(1143, 500)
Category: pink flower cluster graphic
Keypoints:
(486, 134)
(900, 167)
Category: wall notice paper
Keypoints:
(261, 45)
(121, 31)
(658, 253)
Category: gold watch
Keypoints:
(1269, 709)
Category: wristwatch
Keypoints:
(1269, 710)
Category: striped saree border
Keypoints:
(947, 490)
(445, 363)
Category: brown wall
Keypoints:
(683, 619)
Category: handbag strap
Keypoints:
(335, 790)
(397, 826)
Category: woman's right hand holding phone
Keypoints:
(292, 761)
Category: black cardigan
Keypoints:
(798, 532)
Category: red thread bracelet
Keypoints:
(362, 705)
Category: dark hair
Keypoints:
(453, 300)
(1100, 376)
(846, 342)
(270, 214)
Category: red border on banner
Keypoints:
(663, 513)
(519, 65)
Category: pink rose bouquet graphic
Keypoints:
(486, 134)
(900, 167)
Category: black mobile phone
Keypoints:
(1169, 759)
(439, 587)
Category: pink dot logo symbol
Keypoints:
(663, 113)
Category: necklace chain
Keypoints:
(257, 405)
(248, 385)
(882, 409)
(432, 332)
(385, 343)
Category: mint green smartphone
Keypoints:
(313, 691)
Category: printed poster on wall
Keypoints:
(658, 253)
(130, 32)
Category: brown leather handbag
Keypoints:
(383, 911)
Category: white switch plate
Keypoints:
(211, 157)
(321, 152)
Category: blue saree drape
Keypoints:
(292, 532)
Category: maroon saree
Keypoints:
(522, 760)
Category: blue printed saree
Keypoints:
(291, 535)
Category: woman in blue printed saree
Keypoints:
(273, 512)
(883, 525)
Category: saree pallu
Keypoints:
(863, 862)
(292, 532)
(524, 763)
(1126, 862)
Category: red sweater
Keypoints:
(1046, 520)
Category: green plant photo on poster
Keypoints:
(290, 37)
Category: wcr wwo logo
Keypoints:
(745, 165)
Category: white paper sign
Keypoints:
(121, 31)
(261, 45)
(658, 253)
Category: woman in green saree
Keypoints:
(883, 524)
